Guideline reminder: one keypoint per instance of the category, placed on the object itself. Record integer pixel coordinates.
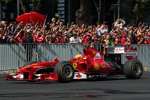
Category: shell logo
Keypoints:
(96, 66)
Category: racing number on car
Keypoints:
(74, 65)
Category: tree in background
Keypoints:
(126, 12)
(47, 7)
(91, 11)
(87, 13)
(141, 10)
(94, 11)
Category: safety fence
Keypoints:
(16, 55)
(144, 54)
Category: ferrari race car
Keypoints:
(92, 63)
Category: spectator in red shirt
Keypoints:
(117, 41)
(57, 32)
(140, 39)
(86, 38)
(40, 38)
(128, 40)
(123, 40)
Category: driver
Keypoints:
(78, 56)
(89, 49)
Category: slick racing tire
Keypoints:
(29, 63)
(65, 71)
(133, 69)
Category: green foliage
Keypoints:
(142, 8)
(34, 4)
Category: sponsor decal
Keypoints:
(119, 50)
(79, 75)
(96, 66)
(131, 52)
(19, 76)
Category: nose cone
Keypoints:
(23, 69)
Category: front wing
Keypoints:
(37, 77)
(47, 77)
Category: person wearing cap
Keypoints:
(75, 38)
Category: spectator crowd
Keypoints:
(56, 32)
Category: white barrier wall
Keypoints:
(15, 55)
(144, 54)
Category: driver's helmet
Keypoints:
(78, 56)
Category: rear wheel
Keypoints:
(133, 69)
(65, 71)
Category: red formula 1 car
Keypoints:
(92, 63)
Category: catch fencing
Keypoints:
(16, 55)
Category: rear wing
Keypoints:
(130, 52)
(116, 50)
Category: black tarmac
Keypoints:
(115, 88)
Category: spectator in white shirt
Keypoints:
(119, 24)
(102, 29)
(75, 38)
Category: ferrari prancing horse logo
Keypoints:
(74, 65)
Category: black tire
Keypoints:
(29, 63)
(133, 69)
(65, 71)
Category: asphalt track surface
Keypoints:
(115, 88)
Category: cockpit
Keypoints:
(97, 55)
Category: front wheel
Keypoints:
(65, 71)
(133, 69)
